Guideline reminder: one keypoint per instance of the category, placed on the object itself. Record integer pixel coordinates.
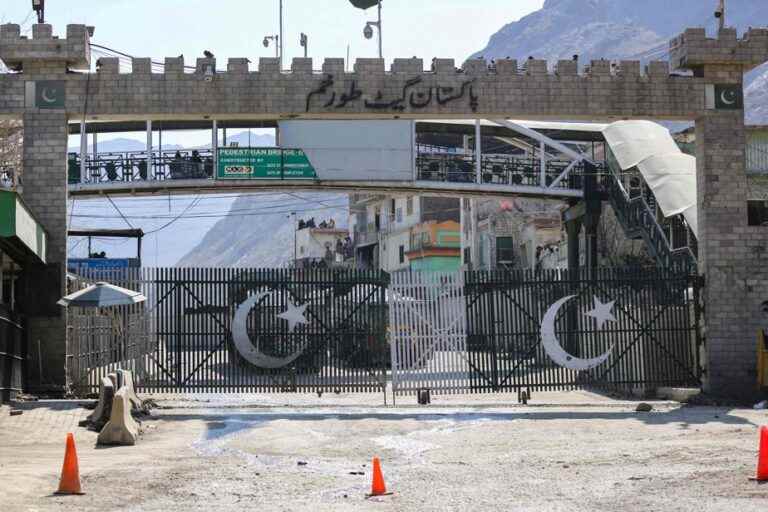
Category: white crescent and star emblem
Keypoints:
(293, 314)
(48, 96)
(601, 313)
(728, 97)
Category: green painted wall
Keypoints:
(7, 213)
(437, 264)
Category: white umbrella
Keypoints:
(102, 295)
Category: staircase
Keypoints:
(639, 222)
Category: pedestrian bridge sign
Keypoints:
(263, 164)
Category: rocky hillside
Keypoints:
(260, 230)
(625, 29)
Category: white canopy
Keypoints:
(670, 173)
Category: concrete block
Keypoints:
(121, 429)
(101, 414)
(125, 380)
(681, 395)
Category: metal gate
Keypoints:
(247, 330)
(628, 329)
(428, 332)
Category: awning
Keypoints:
(21, 235)
(670, 173)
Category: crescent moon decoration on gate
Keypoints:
(550, 343)
(293, 315)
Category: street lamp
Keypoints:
(276, 39)
(304, 42)
(368, 31)
(39, 7)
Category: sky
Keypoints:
(236, 28)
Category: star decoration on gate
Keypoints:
(602, 312)
(294, 315)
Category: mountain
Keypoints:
(625, 29)
(260, 230)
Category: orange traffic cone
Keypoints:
(378, 488)
(762, 456)
(70, 473)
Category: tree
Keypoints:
(11, 140)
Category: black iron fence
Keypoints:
(650, 339)
(272, 330)
(247, 330)
(12, 355)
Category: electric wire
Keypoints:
(118, 211)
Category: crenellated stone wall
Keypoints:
(504, 88)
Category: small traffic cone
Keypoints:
(70, 473)
(378, 488)
(762, 456)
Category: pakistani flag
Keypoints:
(50, 93)
(725, 97)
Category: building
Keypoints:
(435, 246)
(321, 246)
(388, 230)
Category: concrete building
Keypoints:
(320, 246)
(383, 228)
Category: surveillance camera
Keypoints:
(718, 14)
(368, 32)
(265, 43)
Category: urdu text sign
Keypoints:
(263, 163)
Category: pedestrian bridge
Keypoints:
(353, 156)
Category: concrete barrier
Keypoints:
(101, 414)
(682, 395)
(125, 380)
(121, 429)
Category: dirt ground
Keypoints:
(563, 452)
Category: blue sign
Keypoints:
(75, 264)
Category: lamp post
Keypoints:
(39, 7)
(720, 14)
(276, 39)
(304, 42)
(368, 31)
(280, 41)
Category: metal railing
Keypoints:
(134, 166)
(639, 219)
(499, 170)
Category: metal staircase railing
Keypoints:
(639, 220)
